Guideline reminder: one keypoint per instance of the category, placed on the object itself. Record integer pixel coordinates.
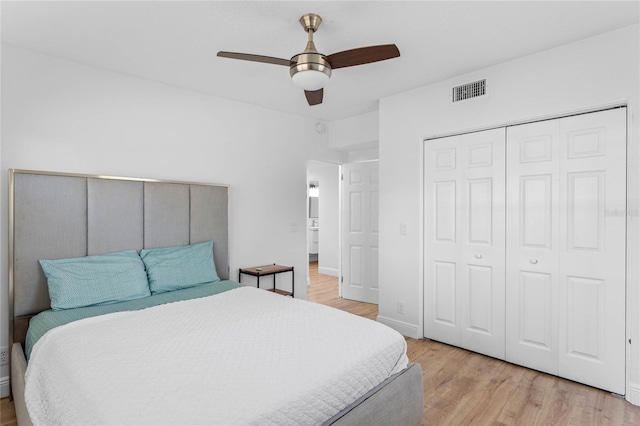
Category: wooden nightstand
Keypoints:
(261, 271)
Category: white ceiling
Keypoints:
(175, 42)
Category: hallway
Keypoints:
(324, 289)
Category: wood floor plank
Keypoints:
(7, 413)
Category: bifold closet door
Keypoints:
(464, 241)
(532, 245)
(566, 231)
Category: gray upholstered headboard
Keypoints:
(54, 215)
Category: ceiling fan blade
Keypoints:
(255, 58)
(363, 55)
(314, 97)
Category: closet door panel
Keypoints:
(585, 216)
(535, 210)
(480, 305)
(536, 292)
(532, 246)
(442, 198)
(481, 248)
(445, 211)
(480, 193)
(592, 262)
(566, 231)
(464, 241)
(444, 280)
(585, 312)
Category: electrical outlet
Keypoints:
(4, 355)
(400, 308)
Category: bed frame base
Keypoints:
(18, 369)
(399, 400)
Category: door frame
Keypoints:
(632, 393)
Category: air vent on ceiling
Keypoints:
(469, 90)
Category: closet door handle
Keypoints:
(478, 256)
(533, 261)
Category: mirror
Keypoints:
(314, 194)
(313, 207)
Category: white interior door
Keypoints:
(464, 241)
(566, 227)
(592, 264)
(532, 245)
(359, 279)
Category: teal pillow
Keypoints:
(173, 268)
(95, 280)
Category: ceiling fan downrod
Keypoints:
(310, 22)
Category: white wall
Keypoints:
(65, 117)
(357, 135)
(329, 232)
(595, 72)
(358, 132)
(361, 155)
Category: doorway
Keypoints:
(323, 218)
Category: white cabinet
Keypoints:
(313, 240)
(531, 269)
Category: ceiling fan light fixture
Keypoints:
(310, 71)
(310, 80)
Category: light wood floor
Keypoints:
(7, 413)
(462, 387)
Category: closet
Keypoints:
(525, 234)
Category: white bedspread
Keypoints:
(244, 356)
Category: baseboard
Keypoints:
(404, 328)
(328, 271)
(4, 387)
(634, 394)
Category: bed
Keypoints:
(214, 352)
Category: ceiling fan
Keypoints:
(311, 69)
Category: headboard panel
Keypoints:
(115, 218)
(54, 215)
